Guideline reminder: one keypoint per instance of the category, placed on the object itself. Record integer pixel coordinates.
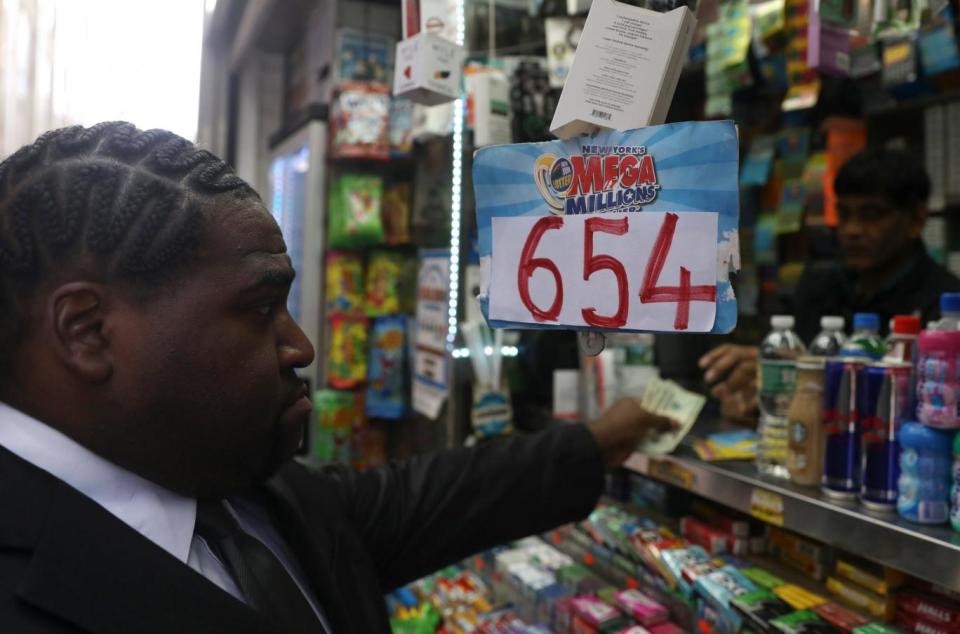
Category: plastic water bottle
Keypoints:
(938, 373)
(831, 338)
(865, 342)
(955, 489)
(778, 380)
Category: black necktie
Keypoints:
(262, 578)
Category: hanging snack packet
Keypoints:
(344, 283)
(361, 122)
(347, 363)
(355, 211)
(383, 277)
(335, 412)
(386, 380)
(395, 213)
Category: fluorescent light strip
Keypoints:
(464, 353)
(456, 202)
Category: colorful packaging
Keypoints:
(880, 580)
(938, 376)
(860, 598)
(347, 356)
(798, 598)
(676, 559)
(640, 607)
(876, 628)
(355, 211)
(713, 541)
(336, 413)
(762, 578)
(401, 127)
(925, 464)
(910, 623)
(344, 283)
(759, 608)
(802, 622)
(807, 556)
(931, 609)
(395, 213)
(383, 282)
(591, 615)
(840, 617)
(721, 587)
(360, 122)
(666, 628)
(386, 376)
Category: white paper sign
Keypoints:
(647, 271)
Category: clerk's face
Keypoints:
(872, 232)
(212, 373)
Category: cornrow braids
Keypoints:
(130, 201)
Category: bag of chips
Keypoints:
(355, 211)
(386, 376)
(347, 360)
(344, 283)
(383, 281)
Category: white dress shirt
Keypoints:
(162, 516)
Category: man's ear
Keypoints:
(77, 311)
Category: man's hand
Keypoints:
(623, 426)
(732, 372)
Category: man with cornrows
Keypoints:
(150, 407)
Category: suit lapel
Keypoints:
(93, 570)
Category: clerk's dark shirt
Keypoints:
(832, 289)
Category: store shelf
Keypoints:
(931, 553)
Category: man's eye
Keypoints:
(266, 309)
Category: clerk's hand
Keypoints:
(731, 370)
(623, 426)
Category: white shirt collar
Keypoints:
(162, 516)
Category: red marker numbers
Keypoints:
(529, 264)
(593, 263)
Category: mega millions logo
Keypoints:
(602, 178)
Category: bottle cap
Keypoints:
(832, 322)
(782, 322)
(950, 303)
(866, 321)
(906, 325)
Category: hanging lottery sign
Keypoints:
(632, 231)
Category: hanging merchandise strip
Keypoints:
(563, 243)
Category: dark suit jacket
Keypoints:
(68, 566)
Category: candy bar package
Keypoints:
(759, 608)
(360, 122)
(933, 609)
(762, 578)
(344, 283)
(797, 597)
(721, 587)
(876, 628)
(386, 379)
(840, 617)
(676, 559)
(354, 210)
(640, 607)
(347, 357)
(383, 282)
(849, 593)
(803, 622)
(401, 127)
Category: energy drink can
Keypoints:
(842, 396)
(886, 404)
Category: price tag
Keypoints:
(610, 271)
(622, 231)
(766, 506)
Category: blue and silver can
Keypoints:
(886, 404)
(842, 397)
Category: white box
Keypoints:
(428, 69)
(562, 36)
(488, 93)
(626, 69)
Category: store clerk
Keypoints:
(149, 411)
(885, 268)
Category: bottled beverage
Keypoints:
(805, 444)
(949, 312)
(865, 341)
(938, 375)
(924, 483)
(831, 338)
(778, 379)
(955, 489)
(886, 390)
(902, 342)
(843, 382)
